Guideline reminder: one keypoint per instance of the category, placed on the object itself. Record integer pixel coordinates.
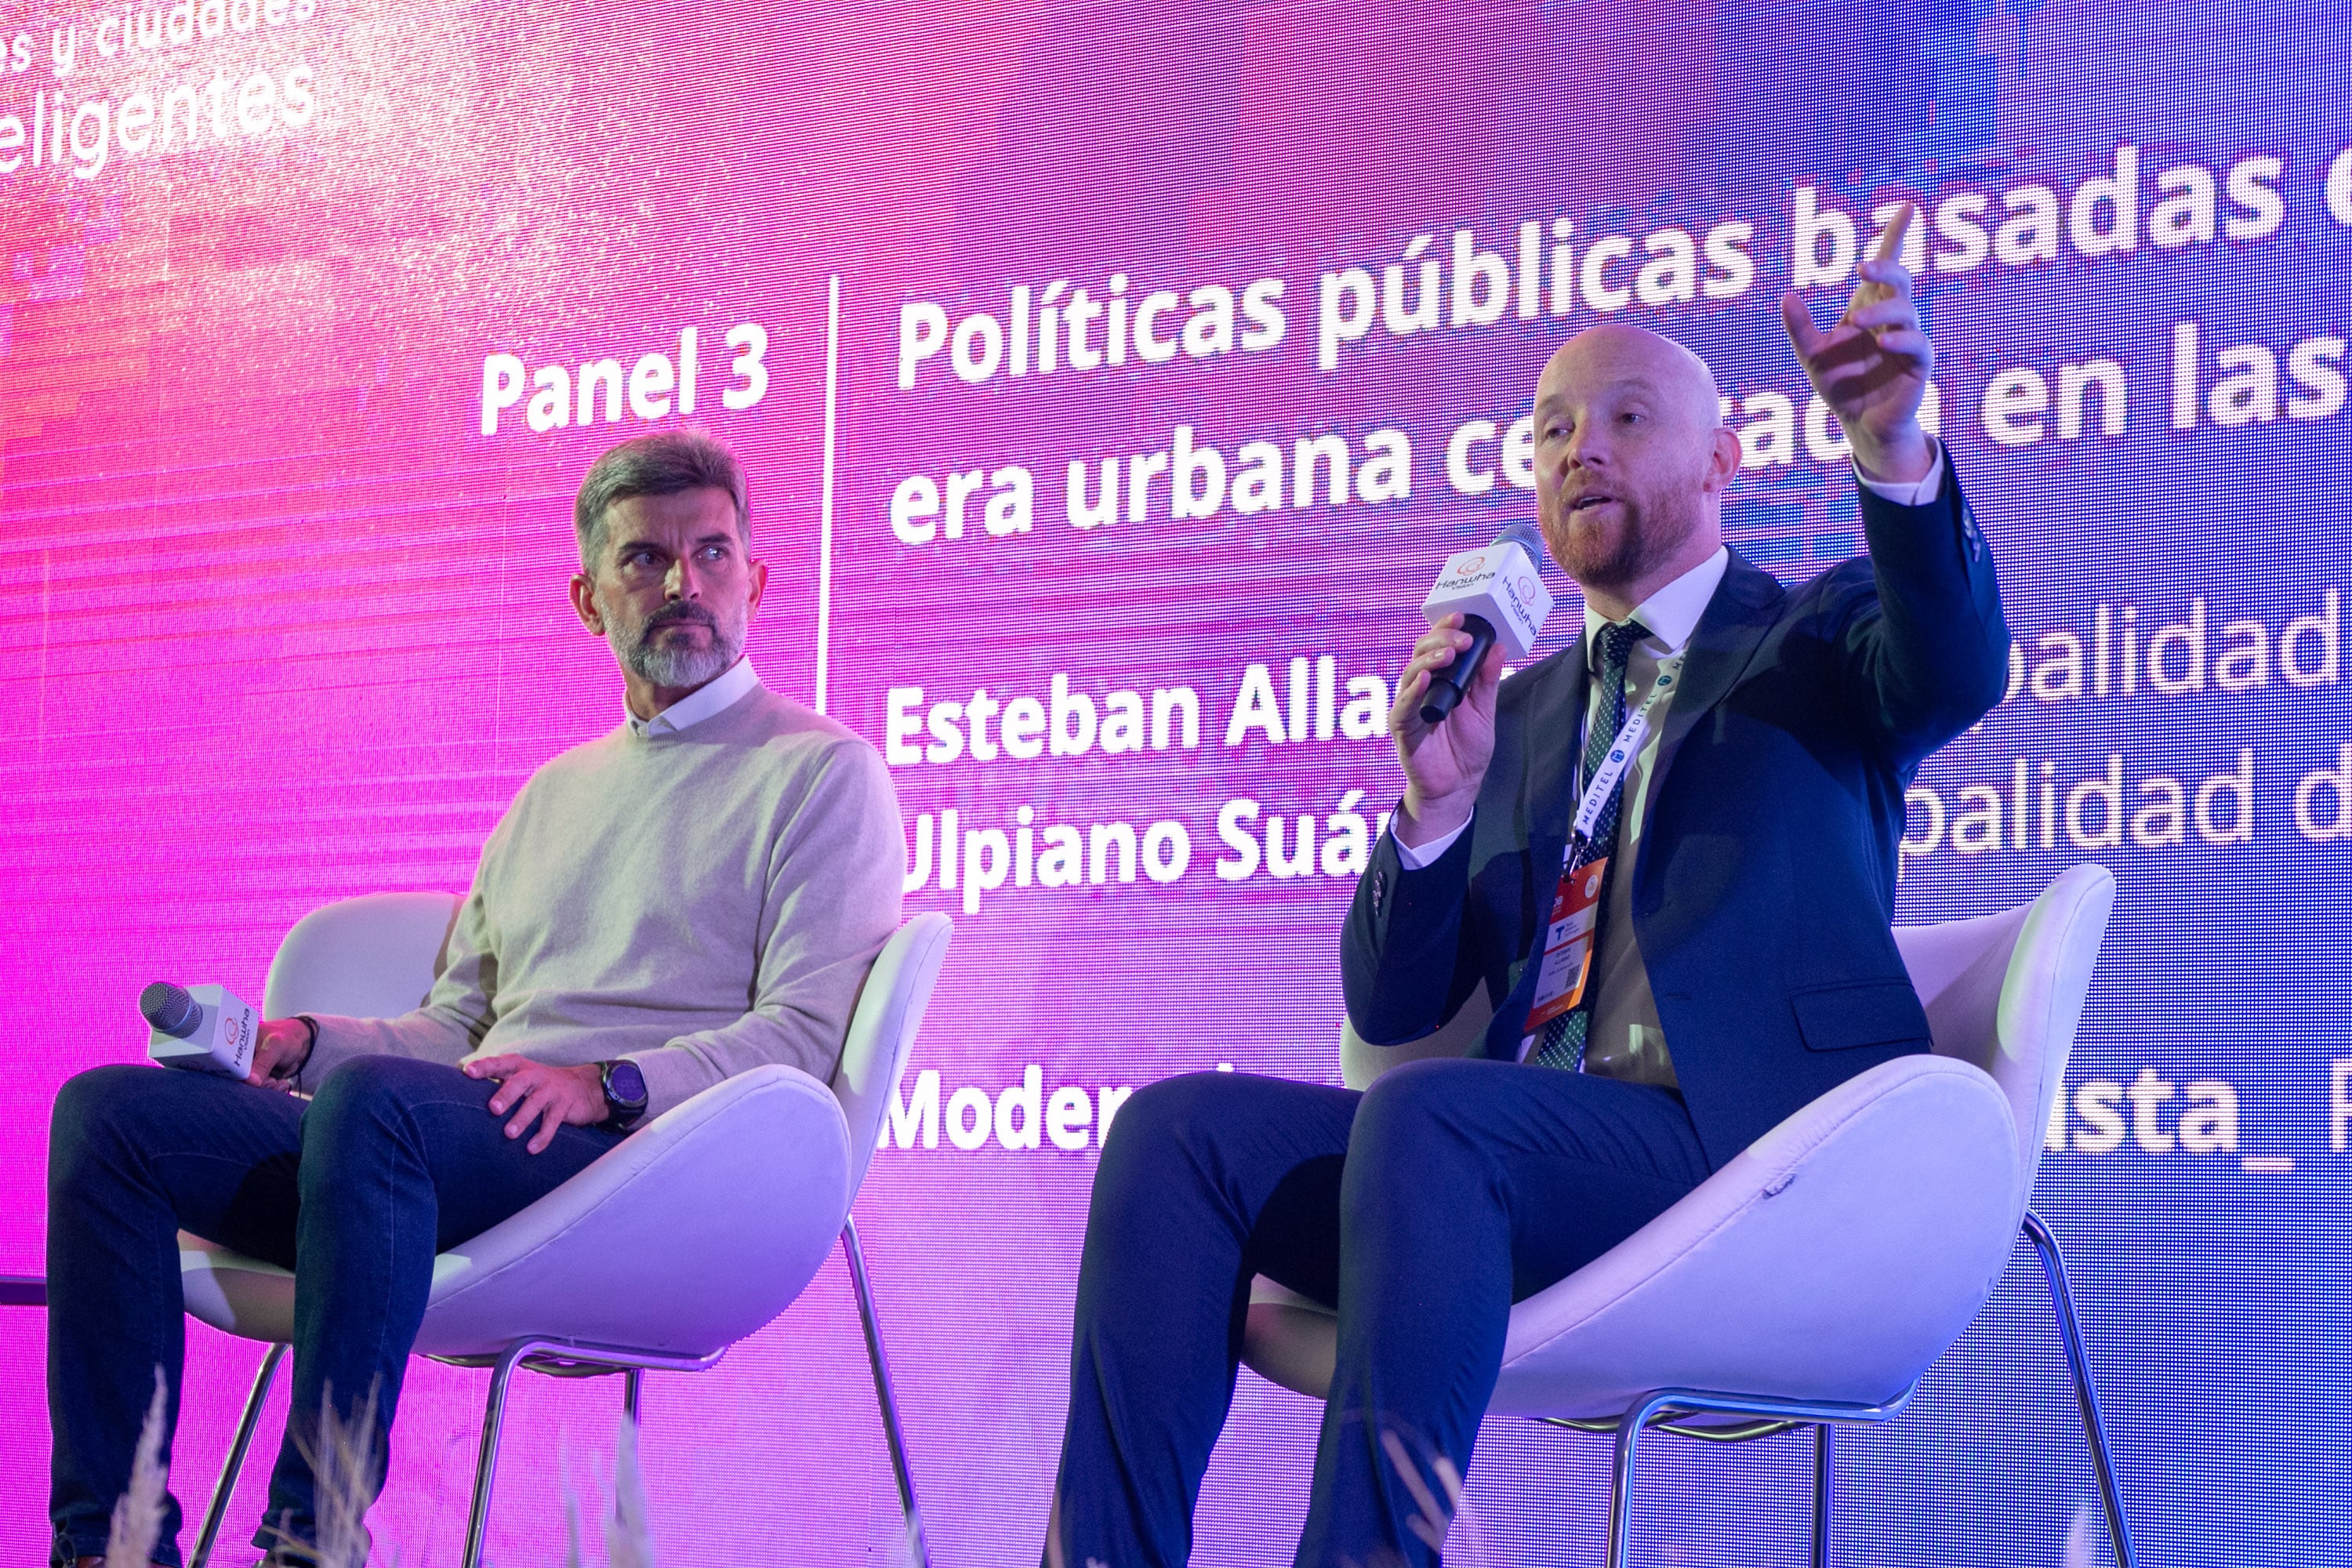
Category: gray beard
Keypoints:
(676, 666)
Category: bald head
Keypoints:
(1632, 462)
(1622, 352)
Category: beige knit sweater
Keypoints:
(700, 902)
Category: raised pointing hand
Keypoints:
(1872, 367)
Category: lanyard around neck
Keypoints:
(1621, 751)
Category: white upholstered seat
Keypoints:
(744, 1188)
(1816, 1276)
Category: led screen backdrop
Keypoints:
(1112, 378)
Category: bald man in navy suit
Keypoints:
(1708, 954)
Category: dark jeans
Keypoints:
(1421, 1209)
(393, 1162)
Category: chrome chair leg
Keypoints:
(1775, 1416)
(486, 1462)
(884, 1396)
(2070, 1335)
(216, 1510)
(1621, 1490)
(1824, 1491)
(633, 1393)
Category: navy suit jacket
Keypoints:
(1764, 883)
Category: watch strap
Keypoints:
(308, 1045)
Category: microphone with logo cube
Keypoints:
(1499, 591)
(204, 1027)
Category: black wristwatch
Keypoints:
(624, 1093)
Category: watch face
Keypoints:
(625, 1085)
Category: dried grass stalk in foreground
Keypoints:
(342, 1469)
(570, 1523)
(1430, 1524)
(627, 1543)
(1434, 1515)
(139, 1512)
(902, 1551)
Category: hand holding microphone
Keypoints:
(282, 1046)
(207, 1030)
(1485, 609)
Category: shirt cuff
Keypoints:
(1415, 857)
(1917, 493)
(672, 1074)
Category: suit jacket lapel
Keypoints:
(1555, 724)
(1725, 640)
(1547, 808)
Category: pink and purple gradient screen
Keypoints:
(284, 621)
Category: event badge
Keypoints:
(1567, 945)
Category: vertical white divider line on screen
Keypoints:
(825, 491)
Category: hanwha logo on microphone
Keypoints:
(1472, 566)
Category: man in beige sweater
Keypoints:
(699, 892)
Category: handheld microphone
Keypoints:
(1499, 591)
(199, 1026)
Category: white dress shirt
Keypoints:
(714, 696)
(1626, 1039)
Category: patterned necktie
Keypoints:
(1563, 1039)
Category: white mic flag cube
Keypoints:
(201, 1027)
(1499, 581)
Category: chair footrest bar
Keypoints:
(571, 1359)
(1743, 1432)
